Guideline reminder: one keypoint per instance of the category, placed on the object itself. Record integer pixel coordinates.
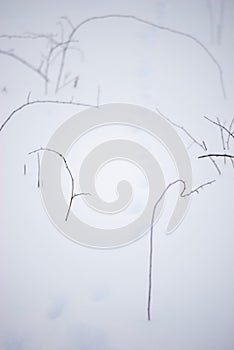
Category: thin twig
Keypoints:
(220, 126)
(24, 62)
(25, 169)
(215, 164)
(143, 21)
(202, 145)
(230, 130)
(67, 168)
(65, 18)
(194, 141)
(30, 103)
(220, 24)
(222, 138)
(216, 155)
(73, 194)
(27, 36)
(211, 18)
(72, 80)
(71, 201)
(38, 170)
(182, 194)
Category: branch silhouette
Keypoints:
(73, 194)
(182, 194)
(220, 126)
(143, 21)
(37, 102)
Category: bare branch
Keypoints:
(220, 24)
(220, 126)
(72, 80)
(73, 194)
(71, 201)
(67, 168)
(65, 18)
(24, 62)
(143, 21)
(182, 194)
(27, 36)
(216, 166)
(230, 131)
(38, 171)
(222, 138)
(202, 145)
(30, 103)
(222, 155)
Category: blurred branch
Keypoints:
(139, 20)
(24, 62)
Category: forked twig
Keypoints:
(73, 194)
(182, 194)
(24, 62)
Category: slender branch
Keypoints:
(215, 164)
(202, 145)
(143, 21)
(71, 201)
(27, 36)
(221, 133)
(30, 103)
(220, 126)
(73, 194)
(194, 141)
(211, 18)
(72, 80)
(67, 168)
(24, 62)
(225, 155)
(230, 131)
(222, 137)
(38, 171)
(182, 194)
(65, 18)
(220, 24)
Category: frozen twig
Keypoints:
(182, 194)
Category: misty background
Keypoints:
(60, 295)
